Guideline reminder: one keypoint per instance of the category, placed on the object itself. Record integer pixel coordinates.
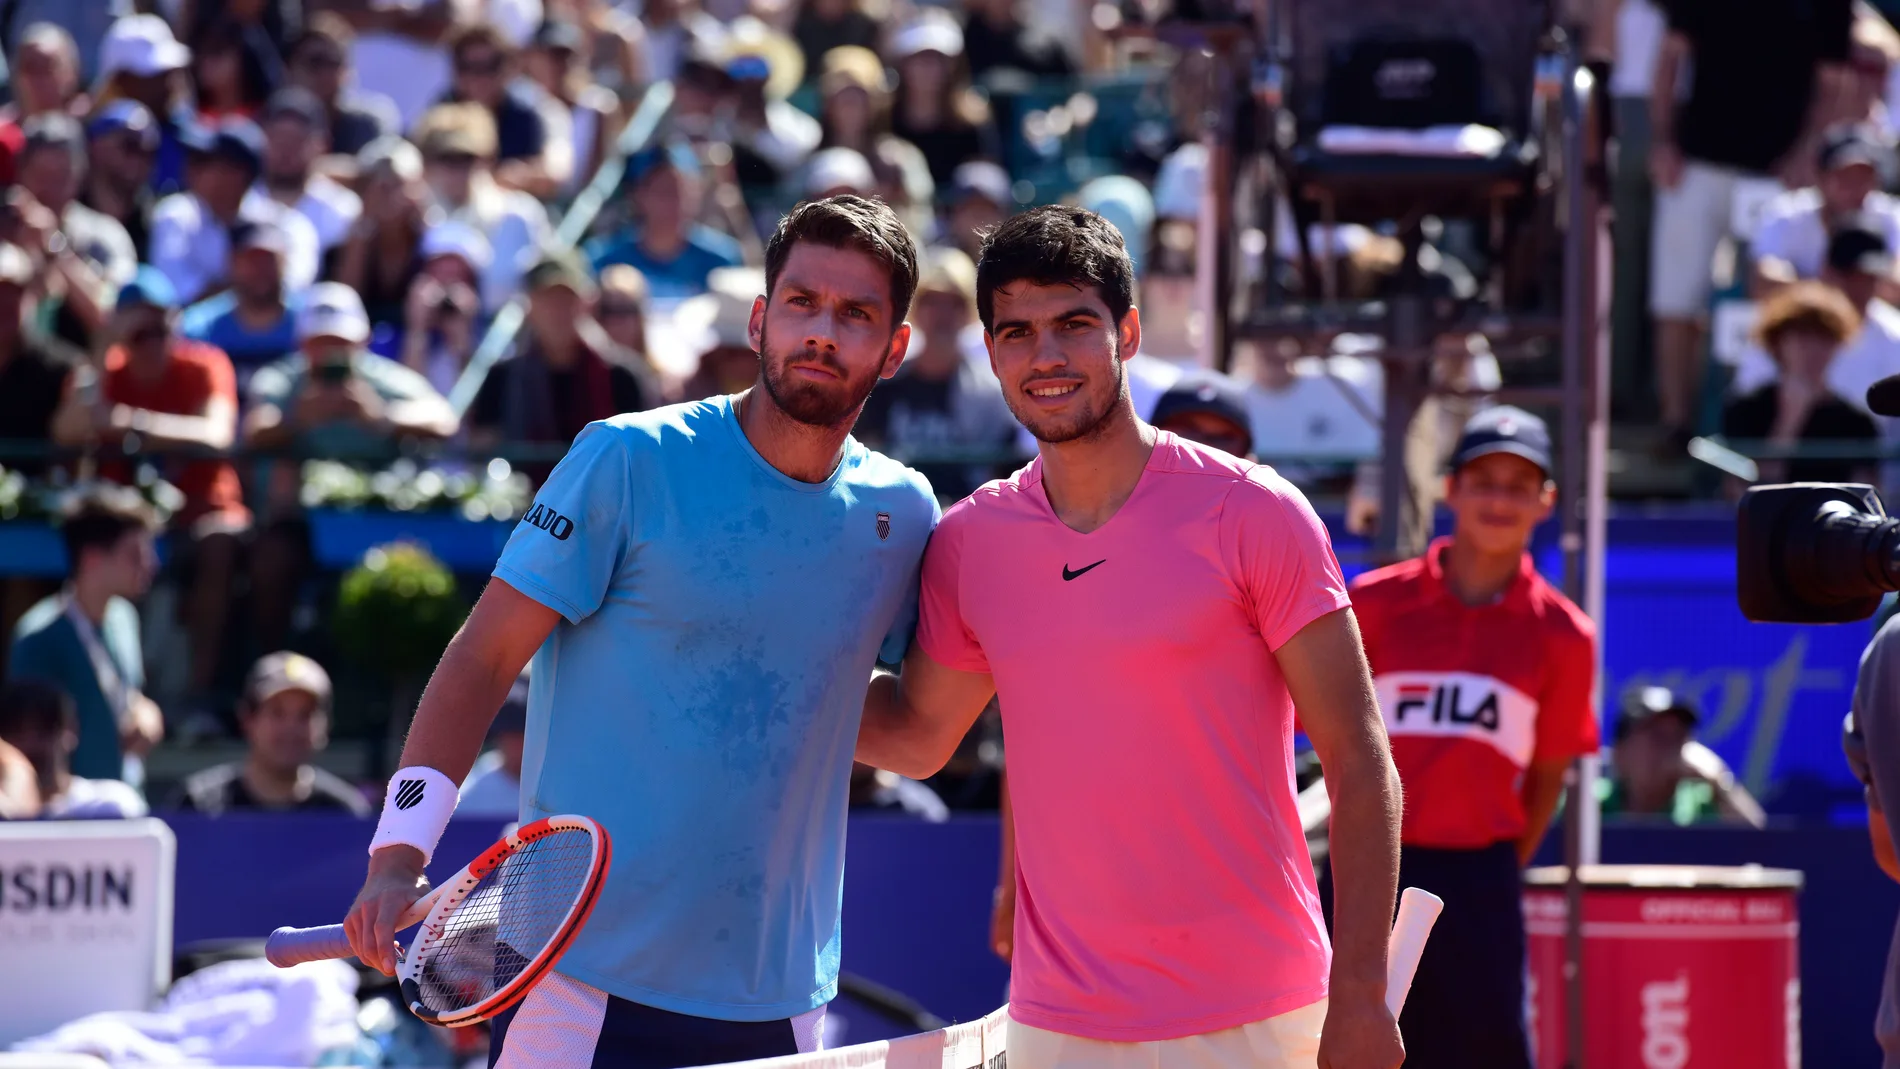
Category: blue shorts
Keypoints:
(1466, 1006)
(566, 1024)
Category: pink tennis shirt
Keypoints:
(1163, 884)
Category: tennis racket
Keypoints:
(490, 932)
(1418, 911)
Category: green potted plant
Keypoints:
(395, 614)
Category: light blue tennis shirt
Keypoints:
(701, 698)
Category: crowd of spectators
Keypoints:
(236, 235)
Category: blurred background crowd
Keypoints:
(265, 260)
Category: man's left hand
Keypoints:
(144, 726)
(1359, 1033)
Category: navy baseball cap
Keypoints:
(1204, 391)
(148, 289)
(1859, 243)
(675, 154)
(1504, 429)
(1643, 704)
(237, 140)
(1858, 143)
(125, 115)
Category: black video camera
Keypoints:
(1814, 553)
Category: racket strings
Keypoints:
(506, 921)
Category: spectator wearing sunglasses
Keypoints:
(121, 144)
(525, 156)
(319, 64)
(171, 401)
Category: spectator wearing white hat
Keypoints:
(935, 108)
(459, 147)
(442, 317)
(140, 60)
(122, 141)
(335, 397)
(833, 171)
(331, 398)
(191, 231)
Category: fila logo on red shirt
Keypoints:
(1459, 705)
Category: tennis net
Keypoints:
(976, 1045)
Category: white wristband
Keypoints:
(416, 809)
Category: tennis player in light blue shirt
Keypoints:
(705, 590)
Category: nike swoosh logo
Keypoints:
(1079, 572)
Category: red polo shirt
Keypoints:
(1472, 695)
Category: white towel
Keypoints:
(1467, 142)
(234, 1013)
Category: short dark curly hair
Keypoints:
(848, 221)
(1055, 245)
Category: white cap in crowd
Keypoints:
(333, 310)
(839, 170)
(934, 30)
(142, 45)
(455, 238)
(1181, 183)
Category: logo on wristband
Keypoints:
(408, 793)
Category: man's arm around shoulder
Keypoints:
(913, 722)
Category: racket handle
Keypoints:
(1418, 911)
(294, 946)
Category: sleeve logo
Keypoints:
(550, 521)
(408, 793)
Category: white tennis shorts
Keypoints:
(1289, 1041)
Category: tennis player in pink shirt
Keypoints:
(1150, 613)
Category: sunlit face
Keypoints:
(848, 114)
(126, 569)
(1649, 762)
(42, 79)
(480, 74)
(286, 729)
(941, 316)
(1058, 353)
(1805, 354)
(1845, 189)
(291, 147)
(554, 311)
(1497, 500)
(257, 273)
(826, 333)
(51, 175)
(319, 67)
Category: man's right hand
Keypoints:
(394, 884)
